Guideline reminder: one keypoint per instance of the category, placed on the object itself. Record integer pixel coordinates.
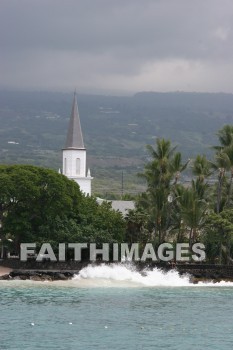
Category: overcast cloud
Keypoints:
(116, 45)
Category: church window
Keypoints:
(65, 165)
(77, 166)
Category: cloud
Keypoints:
(222, 33)
(125, 45)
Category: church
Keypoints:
(74, 161)
(74, 154)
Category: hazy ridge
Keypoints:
(116, 129)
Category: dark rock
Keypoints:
(4, 277)
(61, 276)
(17, 278)
(35, 278)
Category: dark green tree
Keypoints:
(161, 174)
(40, 205)
(31, 198)
(218, 237)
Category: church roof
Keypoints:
(122, 206)
(74, 138)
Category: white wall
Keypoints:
(85, 184)
(69, 162)
(69, 169)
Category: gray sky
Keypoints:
(116, 45)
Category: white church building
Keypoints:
(74, 153)
(74, 161)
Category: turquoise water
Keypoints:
(67, 316)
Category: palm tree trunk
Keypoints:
(220, 254)
(219, 195)
(159, 227)
(194, 234)
(230, 187)
(190, 237)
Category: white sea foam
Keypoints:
(126, 275)
(119, 275)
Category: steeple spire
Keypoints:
(74, 153)
(74, 138)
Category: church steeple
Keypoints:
(74, 138)
(74, 153)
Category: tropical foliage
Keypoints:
(40, 205)
(201, 210)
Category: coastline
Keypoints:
(47, 271)
(4, 270)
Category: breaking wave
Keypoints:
(119, 275)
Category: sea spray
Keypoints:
(126, 275)
(123, 275)
(130, 276)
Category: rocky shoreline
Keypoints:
(40, 275)
(54, 272)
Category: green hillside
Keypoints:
(33, 128)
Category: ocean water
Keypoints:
(115, 307)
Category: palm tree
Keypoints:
(193, 210)
(154, 204)
(201, 167)
(225, 136)
(176, 166)
(228, 152)
(136, 220)
(160, 172)
(222, 164)
(163, 150)
(159, 166)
